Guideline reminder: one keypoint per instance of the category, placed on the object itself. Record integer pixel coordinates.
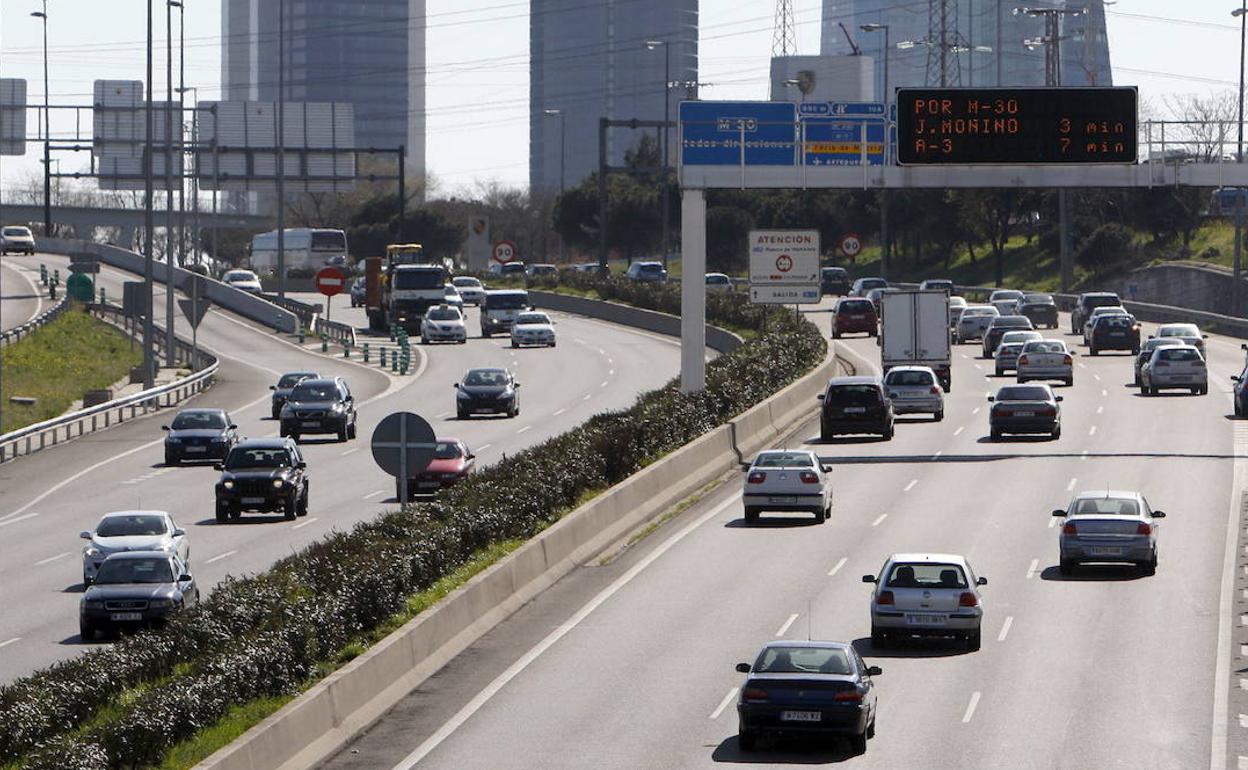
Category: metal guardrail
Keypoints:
(304, 311)
(58, 430)
(333, 330)
(16, 333)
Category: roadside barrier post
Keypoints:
(43, 274)
(346, 350)
(365, 352)
(324, 344)
(394, 364)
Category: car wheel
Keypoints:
(995, 434)
(879, 639)
(836, 335)
(290, 508)
(827, 511)
(236, 513)
(1092, 350)
(858, 743)
(276, 414)
(1057, 432)
(973, 640)
(939, 415)
(746, 740)
(751, 514)
(1070, 382)
(1066, 567)
(871, 728)
(873, 333)
(424, 340)
(999, 372)
(302, 508)
(351, 431)
(888, 434)
(1020, 379)
(223, 513)
(86, 631)
(170, 459)
(461, 415)
(86, 580)
(1150, 567)
(552, 343)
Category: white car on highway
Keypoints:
(974, 321)
(443, 323)
(1175, 367)
(926, 594)
(470, 289)
(915, 390)
(1005, 300)
(1097, 313)
(131, 531)
(1189, 333)
(244, 280)
(532, 328)
(956, 306)
(1045, 360)
(788, 480)
(17, 238)
(1108, 527)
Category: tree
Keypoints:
(727, 232)
(1207, 129)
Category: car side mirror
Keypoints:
(1159, 514)
(515, 384)
(1058, 512)
(470, 456)
(868, 579)
(983, 581)
(1234, 378)
(1057, 398)
(1073, 352)
(819, 397)
(1204, 336)
(826, 468)
(744, 668)
(164, 427)
(1154, 336)
(218, 466)
(873, 671)
(272, 387)
(455, 386)
(179, 532)
(992, 398)
(301, 465)
(185, 577)
(233, 426)
(85, 535)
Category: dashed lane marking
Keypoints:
(1005, 629)
(7, 642)
(1034, 567)
(525, 428)
(51, 559)
(349, 451)
(838, 566)
(723, 704)
(558, 412)
(785, 626)
(970, 707)
(220, 556)
(379, 492)
(1070, 487)
(1092, 431)
(879, 519)
(910, 486)
(959, 430)
(304, 523)
(16, 519)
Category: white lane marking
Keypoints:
(723, 704)
(610, 360)
(601, 352)
(959, 430)
(1222, 665)
(7, 642)
(939, 452)
(349, 451)
(1035, 565)
(604, 384)
(522, 430)
(1100, 409)
(1071, 486)
(558, 412)
(474, 705)
(1083, 455)
(785, 626)
(879, 520)
(1096, 376)
(1005, 629)
(1243, 720)
(579, 340)
(965, 356)
(970, 707)
(611, 373)
(838, 566)
(51, 559)
(910, 486)
(977, 366)
(304, 523)
(1083, 366)
(1104, 393)
(975, 410)
(371, 495)
(588, 396)
(444, 415)
(1092, 431)
(220, 556)
(16, 519)
(1053, 521)
(484, 447)
(987, 393)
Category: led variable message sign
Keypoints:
(966, 126)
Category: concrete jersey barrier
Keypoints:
(322, 720)
(627, 315)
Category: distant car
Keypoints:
(1020, 335)
(1086, 303)
(541, 270)
(1114, 332)
(470, 289)
(1045, 360)
(1025, 409)
(855, 405)
(513, 269)
(646, 272)
(956, 306)
(997, 329)
(285, 384)
(244, 280)
(1040, 308)
(319, 406)
(974, 321)
(443, 323)
(1108, 527)
(338, 260)
(1146, 352)
(452, 462)
(134, 589)
(1096, 313)
(1239, 392)
(131, 531)
(585, 267)
(833, 280)
(915, 390)
(359, 292)
(533, 328)
(718, 283)
(1006, 357)
(17, 239)
(788, 480)
(807, 688)
(487, 391)
(875, 294)
(926, 594)
(451, 296)
(937, 283)
(1175, 367)
(864, 285)
(199, 434)
(1005, 301)
(1189, 333)
(852, 315)
(262, 474)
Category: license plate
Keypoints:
(1024, 414)
(909, 395)
(311, 423)
(124, 616)
(253, 500)
(855, 410)
(192, 449)
(428, 484)
(1105, 551)
(782, 499)
(925, 619)
(857, 318)
(801, 716)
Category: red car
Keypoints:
(452, 461)
(853, 315)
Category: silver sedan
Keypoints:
(1109, 527)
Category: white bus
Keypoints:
(306, 248)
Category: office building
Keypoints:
(589, 60)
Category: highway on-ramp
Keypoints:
(630, 664)
(20, 295)
(48, 497)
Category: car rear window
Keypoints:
(1023, 393)
(908, 377)
(803, 660)
(833, 272)
(926, 575)
(1123, 506)
(1178, 354)
(293, 379)
(1045, 346)
(1012, 322)
(978, 311)
(783, 460)
(853, 395)
(117, 571)
(14, 232)
(856, 306)
(1099, 300)
(1179, 330)
(1115, 322)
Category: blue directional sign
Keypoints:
(865, 109)
(838, 141)
(736, 133)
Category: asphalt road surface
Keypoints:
(631, 664)
(48, 498)
(20, 293)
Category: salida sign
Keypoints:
(784, 257)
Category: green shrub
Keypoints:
(1107, 246)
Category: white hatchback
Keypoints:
(926, 594)
(1175, 367)
(788, 480)
(532, 328)
(470, 289)
(915, 390)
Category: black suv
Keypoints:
(285, 384)
(834, 280)
(263, 474)
(855, 405)
(1087, 302)
(1040, 308)
(319, 406)
(999, 326)
(1115, 332)
(199, 434)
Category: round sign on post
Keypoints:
(403, 445)
(330, 281)
(784, 263)
(851, 245)
(504, 252)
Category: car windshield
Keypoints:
(803, 660)
(1045, 346)
(1037, 299)
(874, 283)
(1122, 506)
(1177, 354)
(1179, 330)
(856, 306)
(1011, 322)
(443, 314)
(512, 268)
(853, 395)
(908, 377)
(199, 421)
(998, 296)
(16, 231)
(783, 460)
(242, 458)
(532, 318)
(719, 279)
(309, 391)
(1101, 299)
(1023, 393)
(833, 272)
(447, 450)
(486, 378)
(326, 240)
(415, 280)
(970, 312)
(510, 301)
(464, 282)
(129, 526)
(649, 268)
(926, 575)
(293, 379)
(115, 571)
(1022, 336)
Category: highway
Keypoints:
(631, 664)
(21, 297)
(47, 498)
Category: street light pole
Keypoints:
(885, 244)
(47, 129)
(281, 149)
(149, 337)
(170, 340)
(1236, 290)
(195, 237)
(181, 133)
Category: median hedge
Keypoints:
(266, 635)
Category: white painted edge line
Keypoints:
(723, 704)
(1100, 409)
(970, 707)
(16, 519)
(371, 495)
(444, 415)
(1083, 365)
(7, 642)
(603, 384)
(558, 412)
(959, 430)
(220, 556)
(514, 670)
(1035, 565)
(1222, 665)
(911, 485)
(1083, 455)
(349, 451)
(879, 520)
(304, 523)
(975, 410)
(1052, 522)
(1070, 487)
(588, 396)
(1005, 629)
(784, 627)
(838, 566)
(525, 428)
(1104, 393)
(51, 559)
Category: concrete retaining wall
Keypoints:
(321, 721)
(650, 320)
(1189, 285)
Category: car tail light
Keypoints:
(886, 597)
(809, 477)
(1047, 411)
(935, 391)
(1144, 528)
(1022, 360)
(754, 693)
(1066, 359)
(757, 477)
(848, 696)
(968, 599)
(1070, 529)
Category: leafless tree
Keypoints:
(1205, 127)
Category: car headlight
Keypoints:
(228, 484)
(160, 604)
(92, 604)
(93, 552)
(278, 483)
(339, 407)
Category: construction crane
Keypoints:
(853, 46)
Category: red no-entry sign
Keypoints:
(330, 281)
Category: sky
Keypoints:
(477, 63)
